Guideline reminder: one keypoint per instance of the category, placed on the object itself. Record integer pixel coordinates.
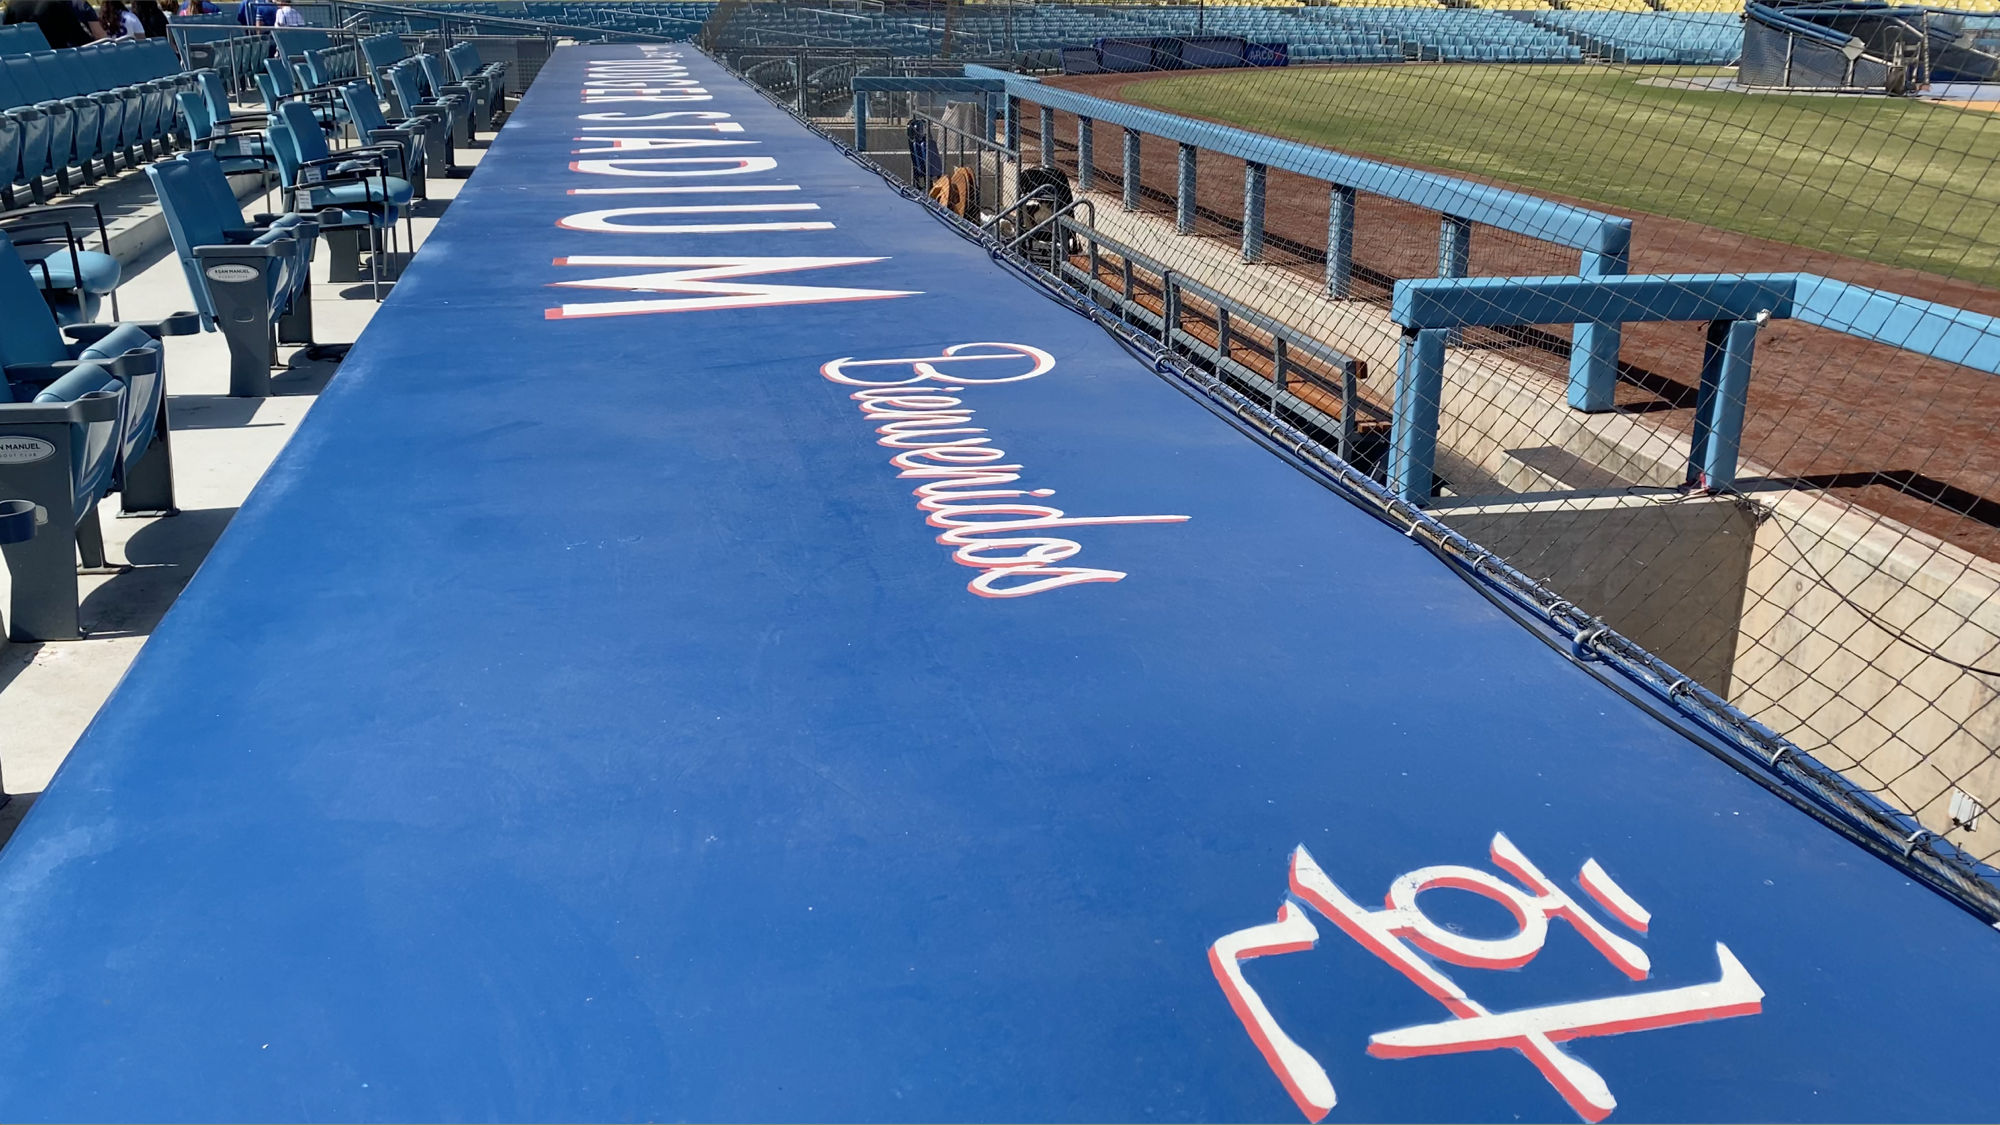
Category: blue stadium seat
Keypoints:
(54, 241)
(278, 86)
(466, 65)
(238, 153)
(438, 83)
(415, 137)
(40, 126)
(405, 86)
(249, 282)
(349, 193)
(81, 420)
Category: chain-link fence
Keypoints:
(1711, 361)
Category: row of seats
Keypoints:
(1494, 31)
(83, 414)
(1679, 37)
(83, 405)
(83, 108)
(19, 38)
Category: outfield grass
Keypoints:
(1891, 180)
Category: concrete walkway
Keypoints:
(49, 692)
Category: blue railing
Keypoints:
(1734, 306)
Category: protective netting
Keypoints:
(1710, 362)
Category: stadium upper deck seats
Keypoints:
(264, 287)
(99, 408)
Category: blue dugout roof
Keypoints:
(584, 720)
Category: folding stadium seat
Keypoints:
(278, 85)
(488, 81)
(239, 154)
(73, 122)
(54, 241)
(405, 85)
(37, 132)
(438, 83)
(96, 412)
(13, 138)
(364, 109)
(251, 283)
(350, 192)
(72, 78)
(97, 67)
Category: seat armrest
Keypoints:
(137, 361)
(263, 250)
(174, 324)
(98, 406)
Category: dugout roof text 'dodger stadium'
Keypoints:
(724, 648)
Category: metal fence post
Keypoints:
(1340, 241)
(1046, 120)
(1086, 154)
(1254, 175)
(861, 121)
(1184, 191)
(1131, 197)
(1454, 256)
(1414, 423)
(1593, 355)
(1718, 408)
(1454, 246)
(1013, 139)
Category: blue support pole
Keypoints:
(1184, 191)
(1454, 255)
(861, 121)
(1414, 423)
(1718, 407)
(1254, 175)
(1086, 154)
(1454, 246)
(1340, 241)
(1593, 356)
(990, 117)
(1013, 105)
(1131, 195)
(1045, 119)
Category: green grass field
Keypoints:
(1891, 180)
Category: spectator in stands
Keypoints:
(256, 13)
(119, 22)
(287, 16)
(57, 20)
(196, 8)
(151, 17)
(87, 16)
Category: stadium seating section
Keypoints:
(1697, 32)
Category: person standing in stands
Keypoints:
(287, 16)
(87, 16)
(151, 17)
(256, 13)
(119, 22)
(196, 8)
(55, 17)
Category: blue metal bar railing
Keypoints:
(1304, 377)
(1733, 305)
(1602, 241)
